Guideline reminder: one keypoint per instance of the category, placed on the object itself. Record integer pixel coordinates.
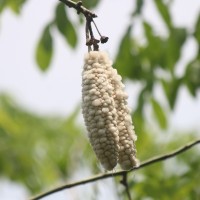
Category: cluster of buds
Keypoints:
(106, 114)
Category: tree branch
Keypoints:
(121, 172)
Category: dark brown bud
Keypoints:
(104, 39)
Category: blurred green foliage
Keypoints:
(14, 5)
(44, 151)
(172, 179)
(36, 150)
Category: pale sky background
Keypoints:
(59, 89)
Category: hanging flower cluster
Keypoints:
(105, 112)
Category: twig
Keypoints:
(124, 182)
(121, 172)
(80, 9)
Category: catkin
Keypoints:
(127, 137)
(105, 112)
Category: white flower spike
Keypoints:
(105, 112)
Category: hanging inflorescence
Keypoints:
(106, 114)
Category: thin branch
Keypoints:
(79, 8)
(121, 172)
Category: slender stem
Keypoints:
(96, 28)
(121, 172)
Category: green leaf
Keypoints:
(148, 31)
(2, 5)
(164, 12)
(138, 114)
(171, 89)
(127, 61)
(139, 6)
(124, 56)
(15, 5)
(192, 76)
(44, 50)
(174, 45)
(197, 29)
(65, 26)
(159, 113)
(154, 51)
